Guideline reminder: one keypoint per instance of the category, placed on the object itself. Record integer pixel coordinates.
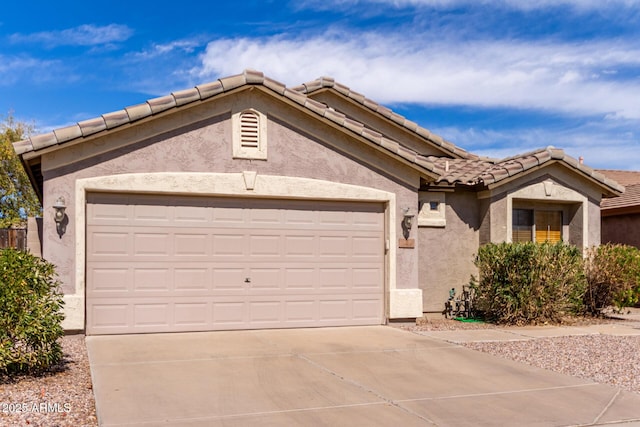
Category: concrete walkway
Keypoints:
(515, 333)
(356, 376)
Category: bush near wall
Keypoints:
(30, 313)
(613, 277)
(524, 283)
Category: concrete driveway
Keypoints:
(356, 376)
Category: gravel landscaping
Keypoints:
(605, 359)
(62, 397)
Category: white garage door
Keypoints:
(164, 264)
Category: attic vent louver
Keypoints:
(249, 130)
(249, 134)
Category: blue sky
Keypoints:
(496, 77)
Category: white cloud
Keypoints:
(572, 78)
(16, 68)
(83, 35)
(187, 46)
(580, 5)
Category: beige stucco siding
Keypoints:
(199, 141)
(446, 253)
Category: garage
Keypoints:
(166, 263)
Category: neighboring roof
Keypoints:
(621, 177)
(129, 115)
(329, 83)
(491, 171)
(631, 197)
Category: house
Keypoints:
(244, 204)
(621, 215)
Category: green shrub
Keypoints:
(30, 313)
(524, 283)
(613, 277)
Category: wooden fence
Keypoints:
(13, 238)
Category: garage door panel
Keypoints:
(151, 315)
(229, 245)
(191, 279)
(366, 247)
(268, 312)
(334, 309)
(186, 245)
(300, 278)
(366, 278)
(300, 246)
(109, 318)
(152, 214)
(229, 279)
(366, 309)
(195, 314)
(192, 216)
(230, 314)
(109, 244)
(152, 244)
(158, 264)
(333, 246)
(152, 279)
(108, 280)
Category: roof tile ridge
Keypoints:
(388, 113)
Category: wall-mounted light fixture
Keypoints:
(59, 216)
(407, 221)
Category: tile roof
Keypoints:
(469, 170)
(621, 177)
(203, 92)
(329, 82)
(490, 171)
(631, 196)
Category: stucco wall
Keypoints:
(446, 253)
(199, 140)
(624, 229)
(594, 231)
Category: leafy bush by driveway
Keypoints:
(30, 313)
(613, 277)
(529, 282)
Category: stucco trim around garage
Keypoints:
(402, 303)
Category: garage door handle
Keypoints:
(247, 280)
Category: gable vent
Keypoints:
(249, 127)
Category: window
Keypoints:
(536, 225)
(522, 229)
(249, 135)
(434, 206)
(548, 226)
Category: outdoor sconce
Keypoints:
(59, 216)
(407, 221)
